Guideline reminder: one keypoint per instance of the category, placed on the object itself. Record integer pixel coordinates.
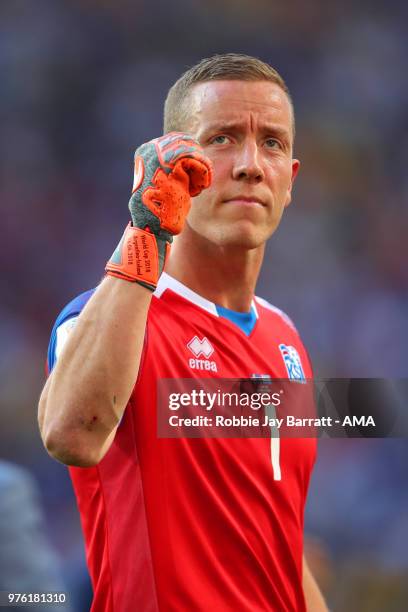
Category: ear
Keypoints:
(295, 170)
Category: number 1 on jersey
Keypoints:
(275, 443)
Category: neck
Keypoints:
(225, 275)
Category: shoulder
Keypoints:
(276, 313)
(75, 306)
(290, 343)
(63, 325)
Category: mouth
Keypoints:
(245, 201)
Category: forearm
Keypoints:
(313, 596)
(92, 381)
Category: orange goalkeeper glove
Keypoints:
(168, 171)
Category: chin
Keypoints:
(243, 235)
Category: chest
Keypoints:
(193, 345)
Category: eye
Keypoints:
(221, 139)
(272, 143)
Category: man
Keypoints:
(188, 524)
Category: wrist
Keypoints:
(139, 257)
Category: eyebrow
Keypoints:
(237, 126)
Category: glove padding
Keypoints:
(168, 171)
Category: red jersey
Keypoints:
(176, 525)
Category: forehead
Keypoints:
(262, 102)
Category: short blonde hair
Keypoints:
(227, 67)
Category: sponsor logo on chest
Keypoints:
(202, 350)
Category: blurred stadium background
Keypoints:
(82, 84)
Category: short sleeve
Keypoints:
(64, 324)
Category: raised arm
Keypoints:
(86, 394)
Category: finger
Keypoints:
(199, 173)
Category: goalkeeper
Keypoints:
(188, 524)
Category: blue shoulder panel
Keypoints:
(71, 310)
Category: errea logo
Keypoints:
(201, 348)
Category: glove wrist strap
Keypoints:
(139, 257)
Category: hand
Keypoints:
(168, 171)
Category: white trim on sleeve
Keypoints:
(63, 332)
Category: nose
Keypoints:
(247, 163)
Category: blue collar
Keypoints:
(244, 320)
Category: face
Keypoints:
(245, 128)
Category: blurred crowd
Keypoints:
(83, 84)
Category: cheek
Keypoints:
(221, 169)
(200, 206)
(280, 174)
(211, 195)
